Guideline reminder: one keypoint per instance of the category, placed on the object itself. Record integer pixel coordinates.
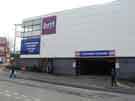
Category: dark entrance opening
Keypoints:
(96, 66)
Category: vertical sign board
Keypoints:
(3, 42)
(49, 25)
(30, 46)
(3, 46)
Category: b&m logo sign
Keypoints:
(49, 25)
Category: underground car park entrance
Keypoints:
(96, 66)
(98, 62)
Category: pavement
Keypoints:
(101, 83)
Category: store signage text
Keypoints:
(49, 25)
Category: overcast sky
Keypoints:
(14, 11)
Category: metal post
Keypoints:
(14, 43)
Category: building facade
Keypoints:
(4, 51)
(94, 35)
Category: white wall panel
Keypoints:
(102, 27)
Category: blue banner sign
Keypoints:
(30, 45)
(95, 53)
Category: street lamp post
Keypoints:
(14, 43)
(14, 49)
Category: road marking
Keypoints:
(15, 93)
(27, 100)
(36, 99)
(24, 96)
(17, 97)
(7, 95)
(6, 91)
(22, 81)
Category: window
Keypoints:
(32, 25)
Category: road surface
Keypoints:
(26, 90)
